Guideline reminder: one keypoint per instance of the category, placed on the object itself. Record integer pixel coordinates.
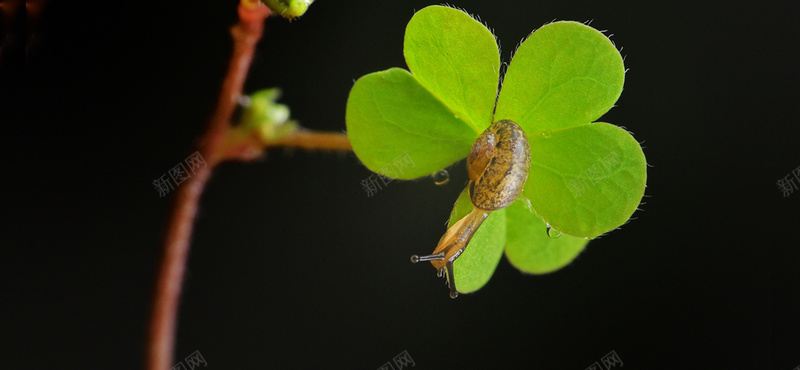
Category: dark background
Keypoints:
(293, 266)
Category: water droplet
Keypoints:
(527, 202)
(546, 134)
(244, 100)
(414, 258)
(453, 294)
(553, 233)
(440, 178)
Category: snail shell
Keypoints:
(498, 165)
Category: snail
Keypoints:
(497, 165)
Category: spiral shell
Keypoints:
(498, 165)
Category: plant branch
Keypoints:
(163, 322)
(220, 142)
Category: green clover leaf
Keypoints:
(586, 177)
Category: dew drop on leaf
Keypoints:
(552, 233)
(525, 201)
(440, 178)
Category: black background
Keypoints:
(293, 266)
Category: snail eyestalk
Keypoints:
(498, 166)
(433, 257)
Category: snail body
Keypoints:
(498, 165)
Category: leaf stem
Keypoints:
(244, 145)
(308, 139)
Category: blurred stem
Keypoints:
(243, 145)
(163, 320)
(161, 341)
(307, 139)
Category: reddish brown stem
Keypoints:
(161, 338)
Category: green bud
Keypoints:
(268, 119)
(288, 9)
